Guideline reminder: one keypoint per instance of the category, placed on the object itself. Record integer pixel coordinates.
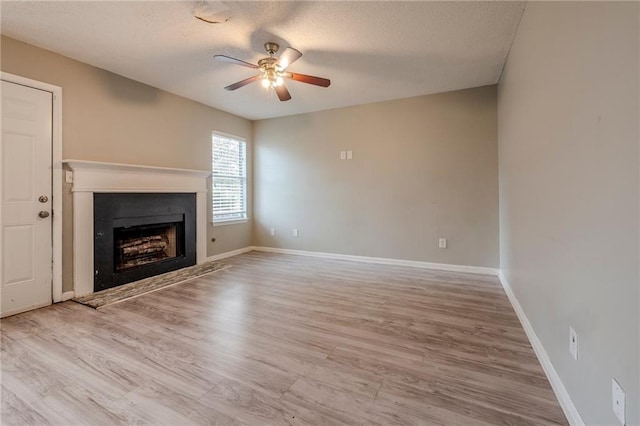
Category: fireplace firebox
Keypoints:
(141, 245)
(142, 235)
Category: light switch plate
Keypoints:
(68, 176)
(343, 155)
(349, 155)
(294, 232)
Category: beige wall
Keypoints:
(568, 143)
(423, 168)
(110, 118)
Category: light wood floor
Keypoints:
(281, 339)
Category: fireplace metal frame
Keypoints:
(115, 210)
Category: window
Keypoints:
(229, 179)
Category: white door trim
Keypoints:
(56, 162)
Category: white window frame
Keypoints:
(242, 179)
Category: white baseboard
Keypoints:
(570, 410)
(68, 295)
(228, 254)
(384, 261)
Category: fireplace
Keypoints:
(139, 235)
(92, 178)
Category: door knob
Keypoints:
(43, 214)
(43, 199)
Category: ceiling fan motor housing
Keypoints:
(267, 63)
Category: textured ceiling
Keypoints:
(371, 51)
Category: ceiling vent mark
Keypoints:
(212, 11)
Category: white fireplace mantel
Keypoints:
(92, 176)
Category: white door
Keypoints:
(25, 191)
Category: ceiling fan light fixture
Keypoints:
(271, 80)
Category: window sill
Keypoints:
(230, 222)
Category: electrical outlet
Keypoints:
(442, 243)
(272, 231)
(573, 343)
(343, 155)
(294, 232)
(618, 401)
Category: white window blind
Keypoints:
(229, 179)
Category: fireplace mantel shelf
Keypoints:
(90, 177)
(83, 164)
(95, 176)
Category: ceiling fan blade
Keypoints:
(283, 93)
(231, 60)
(242, 83)
(289, 56)
(318, 81)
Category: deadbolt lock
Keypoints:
(43, 199)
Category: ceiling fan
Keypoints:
(273, 71)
